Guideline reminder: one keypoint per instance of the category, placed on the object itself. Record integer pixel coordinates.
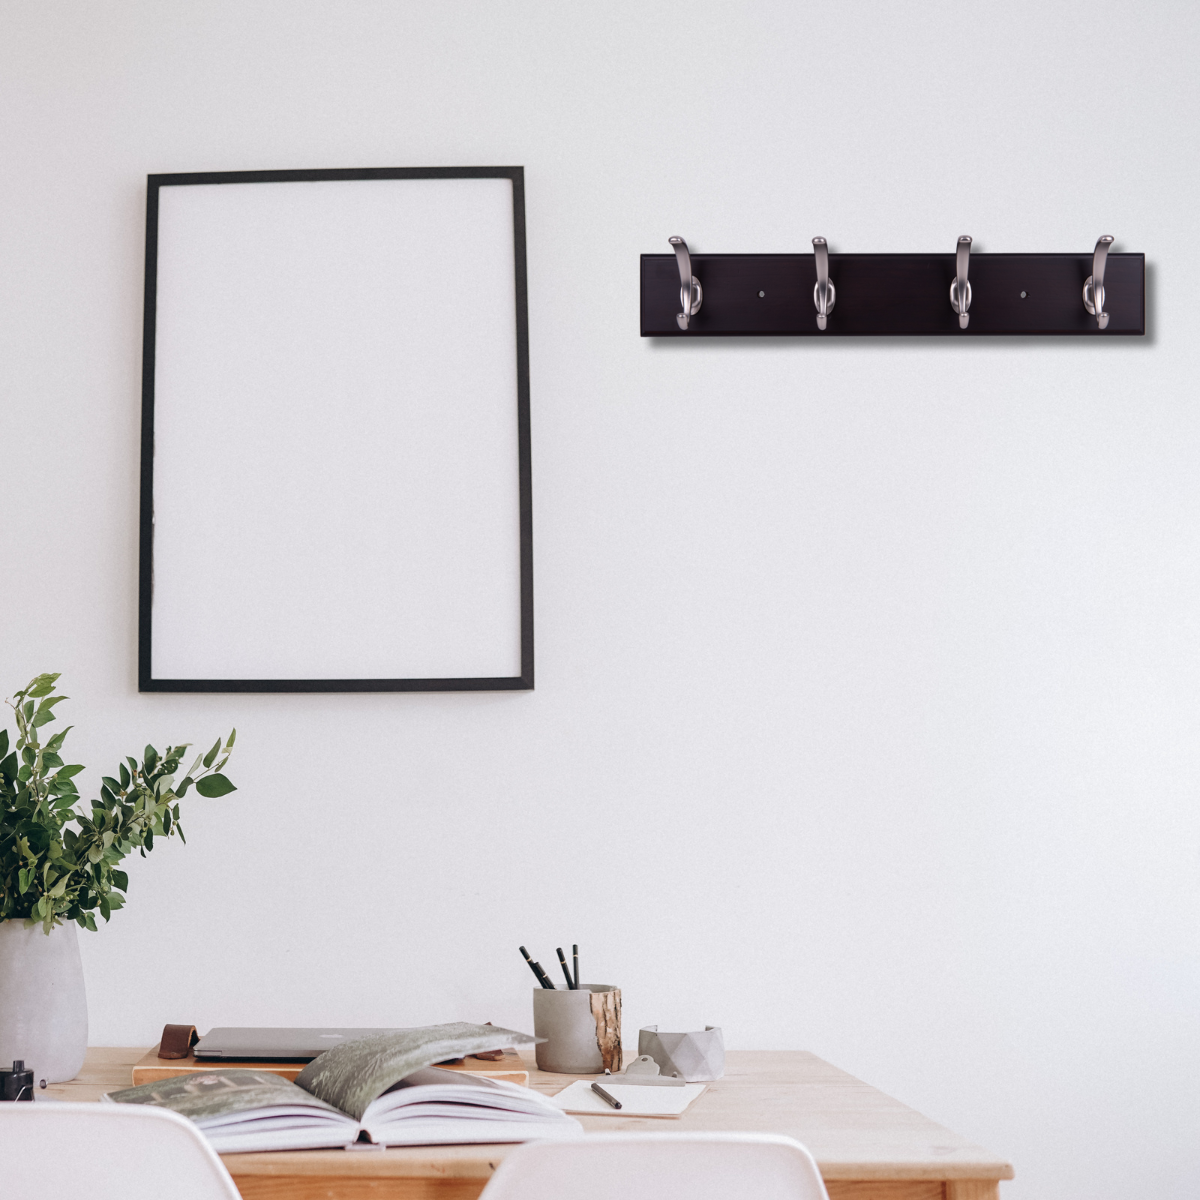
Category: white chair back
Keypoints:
(659, 1166)
(106, 1152)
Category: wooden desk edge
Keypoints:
(474, 1163)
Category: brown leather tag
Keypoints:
(488, 1055)
(177, 1041)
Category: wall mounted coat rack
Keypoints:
(828, 295)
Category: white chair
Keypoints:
(106, 1152)
(659, 1166)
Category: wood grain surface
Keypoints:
(867, 1145)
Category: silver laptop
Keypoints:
(273, 1045)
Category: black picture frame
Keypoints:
(147, 682)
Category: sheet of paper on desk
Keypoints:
(636, 1101)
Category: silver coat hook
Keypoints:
(960, 287)
(691, 294)
(824, 293)
(1093, 289)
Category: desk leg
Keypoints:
(972, 1189)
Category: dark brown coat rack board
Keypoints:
(892, 295)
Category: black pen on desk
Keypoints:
(605, 1096)
(575, 959)
(562, 959)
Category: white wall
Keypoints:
(868, 672)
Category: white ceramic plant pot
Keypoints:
(43, 1005)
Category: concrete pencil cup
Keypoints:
(582, 1028)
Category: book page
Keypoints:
(219, 1097)
(459, 1129)
(435, 1107)
(351, 1075)
(421, 1092)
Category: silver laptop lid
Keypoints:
(273, 1045)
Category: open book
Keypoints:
(383, 1088)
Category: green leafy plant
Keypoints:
(58, 864)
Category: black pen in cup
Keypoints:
(536, 968)
(562, 960)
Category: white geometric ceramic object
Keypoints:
(697, 1057)
(43, 1004)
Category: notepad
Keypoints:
(636, 1101)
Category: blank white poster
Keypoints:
(336, 472)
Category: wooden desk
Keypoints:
(868, 1146)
